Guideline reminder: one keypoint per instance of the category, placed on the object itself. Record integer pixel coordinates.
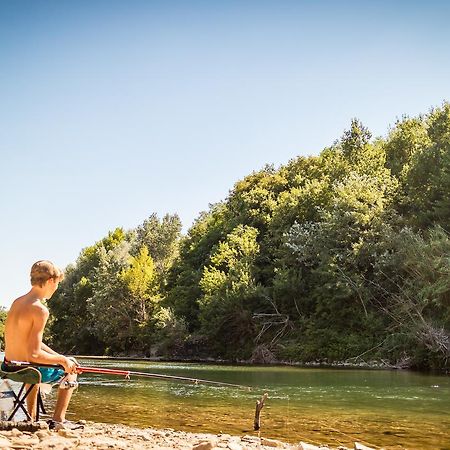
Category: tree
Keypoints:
(3, 314)
(161, 239)
(183, 290)
(230, 292)
(426, 195)
(406, 139)
(72, 326)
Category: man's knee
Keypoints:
(69, 381)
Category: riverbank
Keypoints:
(375, 364)
(101, 436)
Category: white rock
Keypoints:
(25, 441)
(146, 437)
(224, 436)
(5, 443)
(207, 445)
(271, 442)
(70, 434)
(305, 446)
(15, 432)
(248, 438)
(234, 446)
(359, 446)
(42, 425)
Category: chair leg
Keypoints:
(40, 405)
(19, 402)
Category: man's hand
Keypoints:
(70, 365)
(74, 360)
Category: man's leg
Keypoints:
(63, 400)
(32, 400)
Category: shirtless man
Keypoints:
(24, 327)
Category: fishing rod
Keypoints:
(129, 373)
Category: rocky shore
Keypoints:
(102, 436)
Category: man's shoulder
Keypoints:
(38, 308)
(28, 305)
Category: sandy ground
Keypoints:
(106, 436)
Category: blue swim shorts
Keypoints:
(50, 375)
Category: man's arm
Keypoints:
(47, 349)
(36, 353)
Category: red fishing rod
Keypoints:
(128, 374)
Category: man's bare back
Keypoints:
(23, 332)
(18, 328)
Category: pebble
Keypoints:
(4, 443)
(248, 438)
(15, 432)
(359, 446)
(147, 438)
(25, 441)
(234, 446)
(208, 445)
(305, 446)
(70, 434)
(224, 436)
(271, 442)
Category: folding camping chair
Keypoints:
(26, 375)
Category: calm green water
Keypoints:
(390, 409)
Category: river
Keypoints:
(390, 409)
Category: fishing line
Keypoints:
(286, 427)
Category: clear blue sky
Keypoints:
(112, 110)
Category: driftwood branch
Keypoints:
(23, 426)
(259, 407)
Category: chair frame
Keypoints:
(20, 398)
(19, 402)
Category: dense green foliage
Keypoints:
(109, 299)
(3, 314)
(341, 256)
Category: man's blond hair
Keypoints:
(42, 271)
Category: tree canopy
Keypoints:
(340, 256)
